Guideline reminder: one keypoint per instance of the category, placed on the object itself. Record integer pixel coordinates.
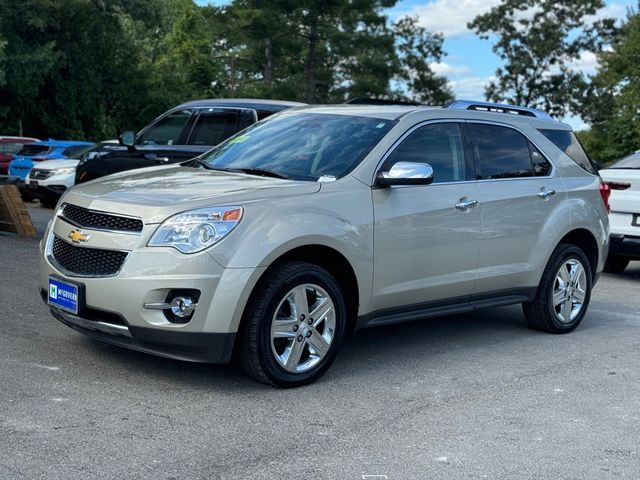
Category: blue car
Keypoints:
(41, 151)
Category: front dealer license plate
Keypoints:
(64, 295)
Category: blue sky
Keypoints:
(470, 63)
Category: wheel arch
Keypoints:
(586, 241)
(331, 260)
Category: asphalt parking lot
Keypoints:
(466, 396)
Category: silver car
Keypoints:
(280, 242)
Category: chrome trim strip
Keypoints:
(110, 328)
(432, 121)
(157, 306)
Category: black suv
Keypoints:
(180, 134)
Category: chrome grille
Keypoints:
(87, 261)
(83, 217)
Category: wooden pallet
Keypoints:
(14, 216)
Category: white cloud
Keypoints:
(447, 69)
(470, 88)
(614, 10)
(587, 63)
(450, 17)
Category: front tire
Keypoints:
(616, 263)
(564, 292)
(293, 325)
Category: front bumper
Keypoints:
(625, 245)
(186, 346)
(113, 308)
(50, 193)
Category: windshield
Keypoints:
(301, 146)
(29, 150)
(632, 161)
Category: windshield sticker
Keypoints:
(327, 179)
(239, 139)
(380, 125)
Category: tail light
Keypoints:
(618, 185)
(605, 192)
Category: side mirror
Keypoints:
(128, 139)
(406, 173)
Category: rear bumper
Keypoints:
(625, 245)
(187, 346)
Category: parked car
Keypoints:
(624, 179)
(48, 180)
(9, 146)
(264, 246)
(182, 133)
(36, 152)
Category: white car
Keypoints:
(624, 179)
(48, 180)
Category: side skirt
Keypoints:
(450, 306)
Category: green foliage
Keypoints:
(92, 68)
(538, 41)
(613, 102)
(416, 48)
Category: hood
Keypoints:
(53, 164)
(158, 192)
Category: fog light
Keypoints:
(183, 306)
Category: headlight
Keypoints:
(195, 230)
(63, 171)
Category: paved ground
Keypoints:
(467, 396)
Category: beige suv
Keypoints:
(280, 242)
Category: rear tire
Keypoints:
(281, 343)
(616, 263)
(564, 292)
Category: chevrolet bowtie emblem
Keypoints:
(78, 236)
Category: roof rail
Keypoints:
(498, 108)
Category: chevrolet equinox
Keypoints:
(286, 238)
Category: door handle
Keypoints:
(544, 194)
(465, 204)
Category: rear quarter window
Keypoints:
(567, 141)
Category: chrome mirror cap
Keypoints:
(406, 173)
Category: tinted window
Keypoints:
(304, 146)
(167, 130)
(33, 150)
(567, 141)
(440, 145)
(213, 126)
(76, 152)
(541, 166)
(10, 147)
(632, 161)
(502, 152)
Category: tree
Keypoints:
(416, 49)
(613, 102)
(538, 40)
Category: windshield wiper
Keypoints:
(263, 172)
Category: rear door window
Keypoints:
(567, 141)
(167, 130)
(213, 125)
(502, 152)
